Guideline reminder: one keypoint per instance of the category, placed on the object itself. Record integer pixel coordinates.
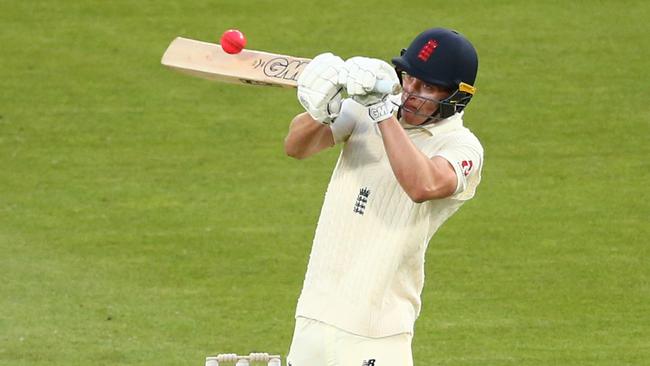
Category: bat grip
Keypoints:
(387, 87)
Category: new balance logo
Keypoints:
(370, 362)
(362, 199)
(466, 166)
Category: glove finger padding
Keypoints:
(361, 76)
(319, 89)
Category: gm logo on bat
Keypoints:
(281, 67)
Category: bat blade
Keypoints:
(209, 61)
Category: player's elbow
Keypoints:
(296, 156)
(419, 195)
(423, 195)
(292, 150)
(443, 189)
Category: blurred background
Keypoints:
(150, 218)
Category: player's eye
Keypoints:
(430, 88)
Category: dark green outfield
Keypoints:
(148, 218)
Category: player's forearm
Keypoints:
(415, 172)
(307, 137)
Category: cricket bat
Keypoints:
(209, 61)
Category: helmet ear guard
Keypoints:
(457, 101)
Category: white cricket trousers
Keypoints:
(318, 344)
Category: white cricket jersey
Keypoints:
(366, 268)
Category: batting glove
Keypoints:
(381, 110)
(361, 75)
(319, 89)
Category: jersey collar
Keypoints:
(448, 124)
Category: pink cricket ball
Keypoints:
(233, 41)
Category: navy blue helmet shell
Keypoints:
(441, 57)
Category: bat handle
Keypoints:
(387, 87)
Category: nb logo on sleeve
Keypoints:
(466, 166)
(370, 362)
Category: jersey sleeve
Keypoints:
(466, 157)
(343, 125)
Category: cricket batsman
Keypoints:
(407, 164)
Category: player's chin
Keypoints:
(411, 118)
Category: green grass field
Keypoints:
(149, 218)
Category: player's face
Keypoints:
(419, 99)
